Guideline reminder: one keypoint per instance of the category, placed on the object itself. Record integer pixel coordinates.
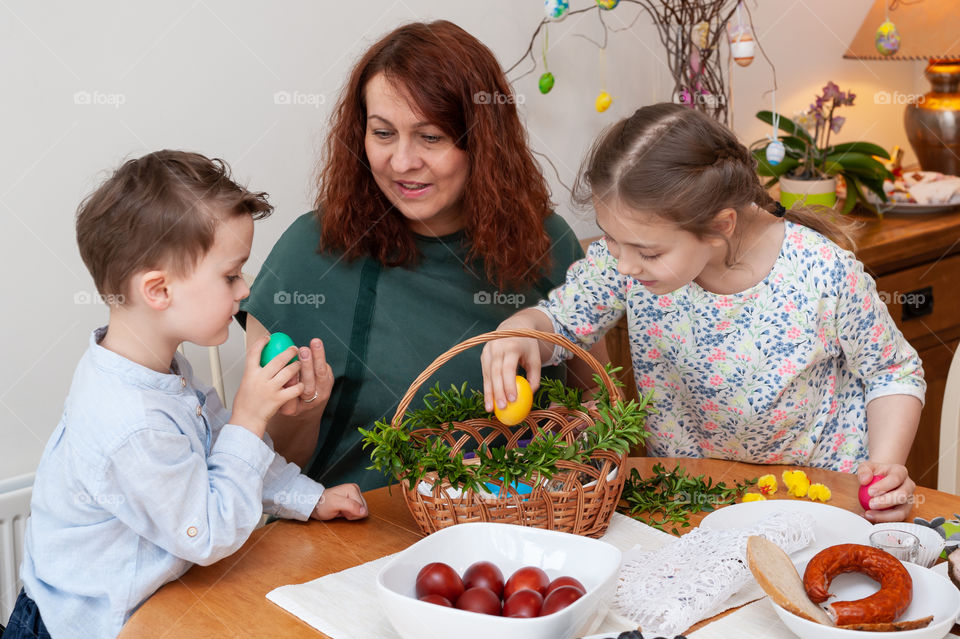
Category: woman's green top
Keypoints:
(382, 326)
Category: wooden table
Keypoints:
(228, 598)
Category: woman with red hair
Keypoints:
(433, 223)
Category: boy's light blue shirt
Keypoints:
(143, 477)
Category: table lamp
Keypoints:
(928, 30)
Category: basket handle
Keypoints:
(553, 338)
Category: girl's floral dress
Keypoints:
(778, 374)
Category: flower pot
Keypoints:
(807, 192)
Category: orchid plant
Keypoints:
(810, 156)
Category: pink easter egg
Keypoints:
(864, 496)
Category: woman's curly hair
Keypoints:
(457, 85)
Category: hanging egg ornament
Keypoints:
(742, 45)
(546, 82)
(775, 152)
(608, 4)
(603, 102)
(887, 38)
(556, 8)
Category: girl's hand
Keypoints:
(893, 493)
(500, 358)
(344, 500)
(316, 377)
(264, 390)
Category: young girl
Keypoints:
(761, 339)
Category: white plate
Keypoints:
(831, 525)
(915, 209)
(941, 569)
(933, 594)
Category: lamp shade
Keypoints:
(930, 29)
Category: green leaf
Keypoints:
(865, 148)
(860, 164)
(786, 124)
(766, 169)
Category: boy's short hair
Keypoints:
(158, 211)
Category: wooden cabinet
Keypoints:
(915, 260)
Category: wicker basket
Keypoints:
(582, 505)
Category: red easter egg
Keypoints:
(484, 574)
(559, 599)
(437, 599)
(439, 579)
(480, 600)
(865, 497)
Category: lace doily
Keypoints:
(666, 591)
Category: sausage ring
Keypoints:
(885, 605)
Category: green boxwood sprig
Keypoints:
(408, 458)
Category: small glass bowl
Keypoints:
(901, 544)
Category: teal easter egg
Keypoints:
(887, 38)
(608, 4)
(278, 343)
(556, 8)
(546, 82)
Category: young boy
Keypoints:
(147, 473)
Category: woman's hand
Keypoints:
(317, 379)
(501, 357)
(893, 493)
(344, 500)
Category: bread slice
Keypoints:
(893, 626)
(953, 567)
(778, 577)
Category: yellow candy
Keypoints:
(797, 482)
(819, 492)
(767, 485)
(753, 497)
(603, 102)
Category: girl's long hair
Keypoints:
(684, 166)
(456, 84)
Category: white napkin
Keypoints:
(344, 605)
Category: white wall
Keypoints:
(202, 76)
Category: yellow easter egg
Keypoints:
(516, 411)
(603, 102)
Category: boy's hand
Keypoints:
(264, 390)
(317, 379)
(894, 492)
(344, 501)
(500, 359)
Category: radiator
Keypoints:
(14, 510)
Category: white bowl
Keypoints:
(931, 543)
(595, 563)
(933, 594)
